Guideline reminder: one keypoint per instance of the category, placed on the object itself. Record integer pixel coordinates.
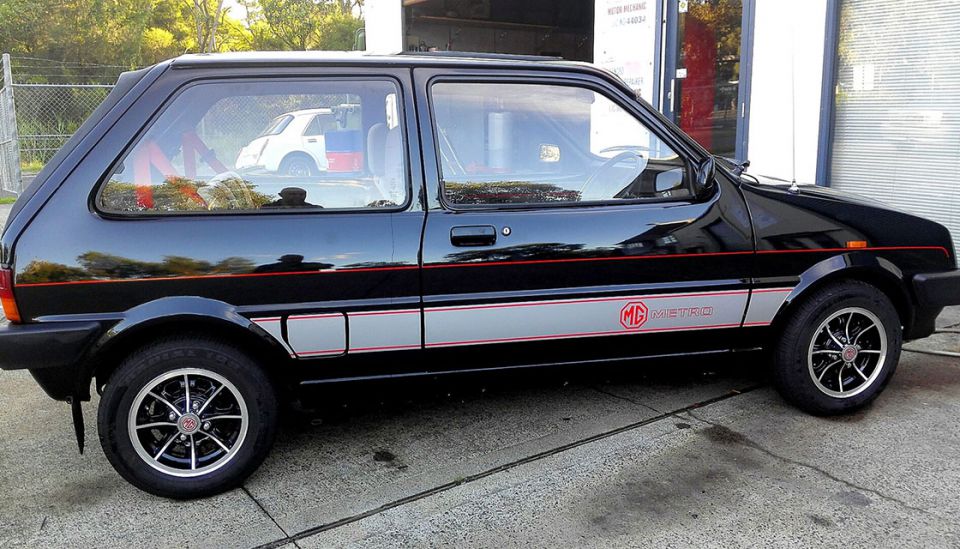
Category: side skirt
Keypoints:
(525, 366)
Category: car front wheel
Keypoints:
(187, 417)
(839, 349)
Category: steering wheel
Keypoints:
(617, 148)
(610, 163)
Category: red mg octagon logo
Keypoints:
(633, 315)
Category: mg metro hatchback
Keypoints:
(478, 212)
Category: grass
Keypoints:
(8, 200)
(31, 166)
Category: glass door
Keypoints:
(703, 90)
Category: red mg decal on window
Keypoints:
(633, 315)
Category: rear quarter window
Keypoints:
(266, 146)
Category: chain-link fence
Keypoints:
(42, 103)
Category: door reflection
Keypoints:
(708, 72)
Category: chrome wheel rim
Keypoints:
(847, 352)
(188, 422)
(298, 168)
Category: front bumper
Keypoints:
(50, 351)
(937, 290)
(933, 292)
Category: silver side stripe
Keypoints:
(325, 334)
(317, 335)
(605, 316)
(372, 331)
(764, 305)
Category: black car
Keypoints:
(464, 213)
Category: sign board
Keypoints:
(624, 41)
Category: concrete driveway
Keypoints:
(639, 454)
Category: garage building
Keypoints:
(860, 95)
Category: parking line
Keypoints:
(950, 354)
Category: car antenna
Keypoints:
(793, 112)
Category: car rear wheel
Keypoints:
(298, 165)
(839, 349)
(187, 417)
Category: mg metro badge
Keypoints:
(633, 315)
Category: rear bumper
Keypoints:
(51, 351)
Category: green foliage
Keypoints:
(303, 25)
(179, 194)
(97, 265)
(134, 33)
(507, 192)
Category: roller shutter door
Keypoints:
(897, 111)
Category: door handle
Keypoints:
(311, 140)
(473, 235)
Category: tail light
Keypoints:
(6, 296)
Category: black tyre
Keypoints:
(299, 165)
(838, 350)
(187, 417)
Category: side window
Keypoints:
(536, 144)
(266, 146)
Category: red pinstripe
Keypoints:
(384, 348)
(492, 264)
(322, 315)
(217, 276)
(323, 352)
(381, 313)
(580, 334)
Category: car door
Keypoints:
(563, 226)
(326, 266)
(314, 142)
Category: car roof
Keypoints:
(405, 59)
(307, 112)
(359, 57)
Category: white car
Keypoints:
(292, 144)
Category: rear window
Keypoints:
(276, 125)
(218, 147)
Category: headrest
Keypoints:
(376, 145)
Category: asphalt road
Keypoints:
(641, 454)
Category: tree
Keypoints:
(158, 44)
(78, 34)
(292, 22)
(207, 18)
(308, 24)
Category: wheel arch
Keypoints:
(299, 153)
(181, 316)
(860, 266)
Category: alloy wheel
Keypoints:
(188, 422)
(847, 352)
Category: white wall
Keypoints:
(786, 29)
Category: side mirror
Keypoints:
(705, 178)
